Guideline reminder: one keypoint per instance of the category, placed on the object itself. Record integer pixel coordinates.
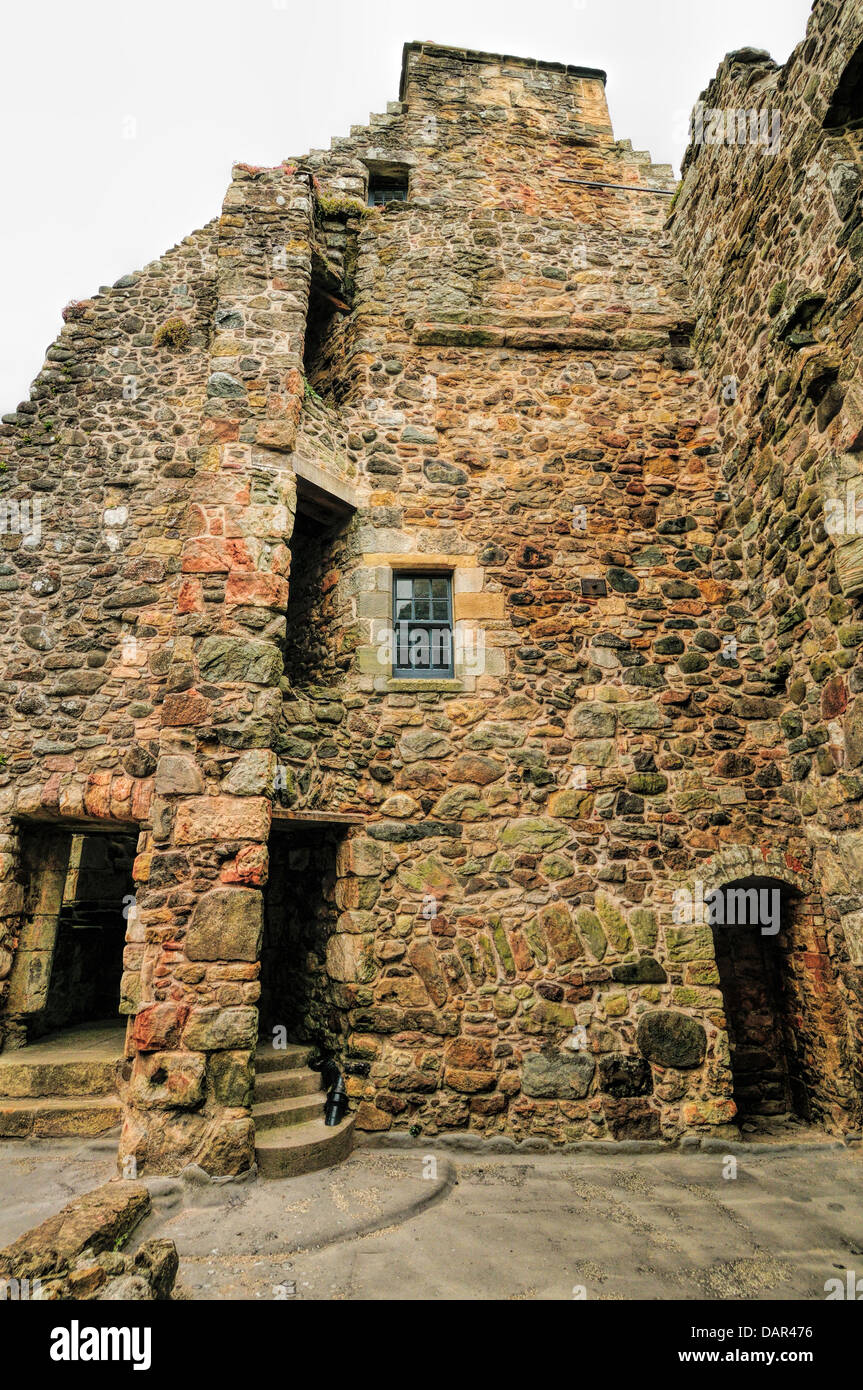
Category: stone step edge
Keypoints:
(60, 1103)
(309, 1132)
(67, 1117)
(290, 1058)
(266, 1114)
(269, 1080)
(42, 1081)
(306, 1148)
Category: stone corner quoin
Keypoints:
(621, 419)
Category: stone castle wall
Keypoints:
(772, 243)
(99, 464)
(493, 378)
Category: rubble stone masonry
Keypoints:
(519, 376)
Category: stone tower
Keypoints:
(411, 627)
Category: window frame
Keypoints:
(397, 186)
(430, 624)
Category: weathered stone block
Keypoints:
(232, 659)
(558, 1075)
(534, 833)
(221, 818)
(177, 776)
(168, 1080)
(424, 959)
(644, 971)
(252, 774)
(226, 924)
(560, 933)
(99, 1220)
(359, 855)
(211, 1029)
(671, 1039)
(232, 1077)
(158, 1027)
(625, 1076)
(690, 942)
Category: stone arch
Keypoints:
(734, 862)
(782, 1005)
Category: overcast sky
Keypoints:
(119, 122)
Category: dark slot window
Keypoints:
(387, 189)
(422, 623)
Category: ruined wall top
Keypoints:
(447, 53)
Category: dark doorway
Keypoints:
(87, 963)
(307, 658)
(300, 915)
(750, 940)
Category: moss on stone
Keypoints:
(614, 924)
(174, 333)
(341, 205)
(776, 298)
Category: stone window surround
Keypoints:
(385, 165)
(473, 606)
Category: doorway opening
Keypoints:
(91, 931)
(298, 995)
(316, 651)
(750, 938)
(69, 961)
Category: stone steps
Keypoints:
(278, 1085)
(289, 1150)
(290, 1134)
(64, 1086)
(19, 1077)
(269, 1058)
(291, 1111)
(56, 1117)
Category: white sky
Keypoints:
(209, 82)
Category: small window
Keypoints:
(387, 189)
(422, 623)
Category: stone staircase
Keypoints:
(62, 1088)
(288, 1110)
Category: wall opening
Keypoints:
(91, 932)
(388, 183)
(70, 954)
(313, 647)
(846, 104)
(751, 968)
(300, 914)
(790, 1053)
(322, 317)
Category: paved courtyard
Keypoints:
(433, 1224)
